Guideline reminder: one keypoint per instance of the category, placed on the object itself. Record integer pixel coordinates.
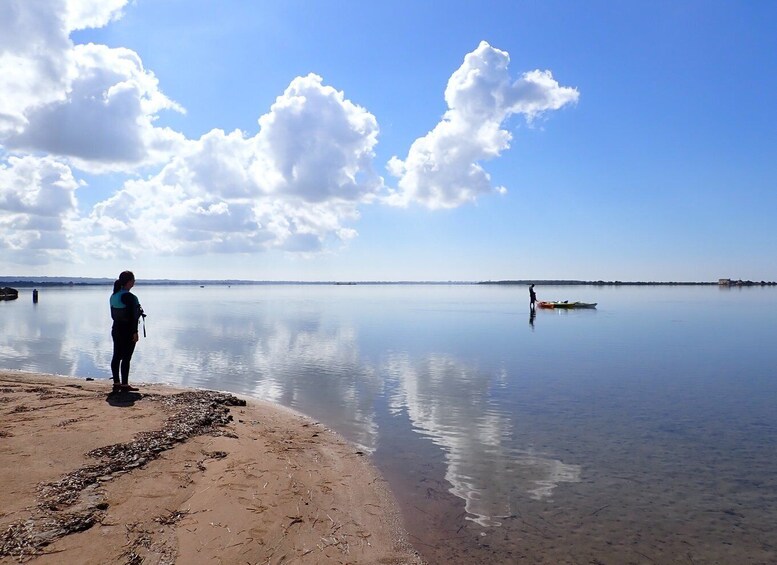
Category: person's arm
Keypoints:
(133, 306)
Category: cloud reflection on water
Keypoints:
(300, 361)
(309, 357)
(453, 404)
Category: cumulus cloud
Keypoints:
(106, 118)
(319, 143)
(442, 169)
(292, 186)
(82, 14)
(296, 185)
(37, 209)
(34, 59)
(91, 103)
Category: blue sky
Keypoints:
(305, 140)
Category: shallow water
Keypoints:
(641, 431)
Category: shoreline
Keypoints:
(170, 475)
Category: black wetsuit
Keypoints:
(125, 311)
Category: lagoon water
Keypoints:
(644, 431)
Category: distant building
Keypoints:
(724, 282)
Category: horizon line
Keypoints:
(65, 280)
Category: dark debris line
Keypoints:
(74, 503)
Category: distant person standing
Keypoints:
(126, 312)
(532, 297)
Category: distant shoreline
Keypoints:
(632, 283)
(29, 282)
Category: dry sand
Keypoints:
(166, 476)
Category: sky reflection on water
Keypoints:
(516, 406)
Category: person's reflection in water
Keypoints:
(532, 315)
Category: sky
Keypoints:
(340, 140)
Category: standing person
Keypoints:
(532, 297)
(126, 312)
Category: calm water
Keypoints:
(642, 431)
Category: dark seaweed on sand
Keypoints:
(75, 502)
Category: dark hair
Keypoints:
(123, 279)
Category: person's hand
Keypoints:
(135, 337)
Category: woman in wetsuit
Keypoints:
(125, 311)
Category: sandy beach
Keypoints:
(169, 476)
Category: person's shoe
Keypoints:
(128, 388)
(116, 387)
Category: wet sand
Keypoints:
(170, 476)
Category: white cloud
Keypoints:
(91, 103)
(34, 61)
(293, 186)
(320, 143)
(442, 169)
(82, 14)
(37, 209)
(296, 185)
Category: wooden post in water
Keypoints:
(34, 295)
